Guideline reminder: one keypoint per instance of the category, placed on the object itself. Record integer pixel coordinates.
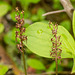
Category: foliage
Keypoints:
(38, 16)
(53, 66)
(10, 34)
(38, 40)
(57, 4)
(14, 3)
(4, 8)
(36, 64)
(66, 24)
(13, 16)
(3, 69)
(39, 35)
(27, 2)
(1, 27)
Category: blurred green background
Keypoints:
(33, 13)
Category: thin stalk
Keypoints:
(56, 57)
(24, 62)
(56, 65)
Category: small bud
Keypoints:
(17, 32)
(25, 38)
(51, 39)
(59, 38)
(17, 36)
(16, 17)
(17, 9)
(56, 51)
(59, 57)
(22, 12)
(23, 29)
(50, 22)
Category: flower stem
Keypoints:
(24, 62)
(56, 65)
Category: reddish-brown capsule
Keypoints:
(56, 51)
(19, 26)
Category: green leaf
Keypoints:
(52, 67)
(38, 40)
(68, 43)
(39, 14)
(66, 24)
(73, 0)
(36, 64)
(27, 14)
(3, 69)
(1, 27)
(14, 3)
(13, 15)
(34, 18)
(57, 4)
(12, 39)
(74, 23)
(27, 2)
(4, 7)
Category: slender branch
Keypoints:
(68, 7)
(53, 12)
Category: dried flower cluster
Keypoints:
(56, 49)
(19, 25)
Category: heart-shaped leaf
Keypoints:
(38, 40)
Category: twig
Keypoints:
(68, 7)
(53, 12)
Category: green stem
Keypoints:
(73, 69)
(24, 62)
(56, 65)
